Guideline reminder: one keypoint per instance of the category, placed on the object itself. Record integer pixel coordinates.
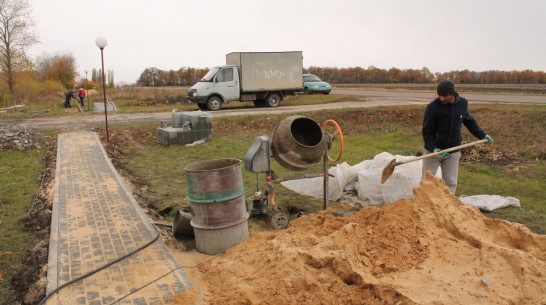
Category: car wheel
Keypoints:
(273, 100)
(306, 91)
(202, 106)
(214, 103)
(327, 92)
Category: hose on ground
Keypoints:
(100, 268)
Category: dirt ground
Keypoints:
(430, 250)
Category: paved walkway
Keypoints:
(95, 221)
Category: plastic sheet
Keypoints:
(360, 184)
(490, 202)
(342, 174)
(364, 178)
(399, 185)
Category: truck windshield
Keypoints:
(208, 77)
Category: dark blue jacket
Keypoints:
(442, 124)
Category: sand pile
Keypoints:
(430, 250)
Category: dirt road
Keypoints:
(372, 99)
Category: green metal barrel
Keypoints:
(216, 194)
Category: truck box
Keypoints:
(267, 71)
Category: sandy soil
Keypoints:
(430, 250)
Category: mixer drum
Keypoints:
(298, 143)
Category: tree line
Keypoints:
(186, 76)
(61, 68)
(154, 77)
(96, 78)
(358, 75)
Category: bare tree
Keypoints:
(16, 35)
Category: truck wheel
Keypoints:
(214, 103)
(273, 100)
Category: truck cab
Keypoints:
(220, 84)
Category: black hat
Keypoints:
(446, 87)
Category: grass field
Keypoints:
(147, 100)
(20, 174)
(153, 99)
(515, 165)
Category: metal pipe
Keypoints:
(104, 93)
(325, 178)
(86, 91)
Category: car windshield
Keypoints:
(208, 77)
(311, 78)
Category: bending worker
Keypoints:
(68, 96)
(442, 130)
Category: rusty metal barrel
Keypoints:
(298, 143)
(216, 194)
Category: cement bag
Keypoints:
(342, 174)
(490, 202)
(399, 185)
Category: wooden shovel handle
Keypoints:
(442, 151)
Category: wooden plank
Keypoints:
(12, 107)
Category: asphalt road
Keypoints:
(426, 96)
(371, 99)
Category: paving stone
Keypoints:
(95, 221)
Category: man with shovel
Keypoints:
(442, 123)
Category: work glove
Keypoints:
(489, 139)
(442, 155)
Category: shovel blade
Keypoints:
(388, 170)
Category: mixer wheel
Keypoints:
(279, 221)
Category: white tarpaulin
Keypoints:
(490, 202)
(363, 181)
(364, 178)
(342, 175)
(399, 185)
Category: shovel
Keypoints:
(389, 169)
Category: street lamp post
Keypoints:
(101, 43)
(86, 91)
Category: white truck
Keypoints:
(264, 78)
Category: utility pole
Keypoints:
(86, 91)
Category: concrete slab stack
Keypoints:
(188, 127)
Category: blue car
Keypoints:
(313, 84)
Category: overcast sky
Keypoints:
(478, 35)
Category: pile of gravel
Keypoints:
(15, 137)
